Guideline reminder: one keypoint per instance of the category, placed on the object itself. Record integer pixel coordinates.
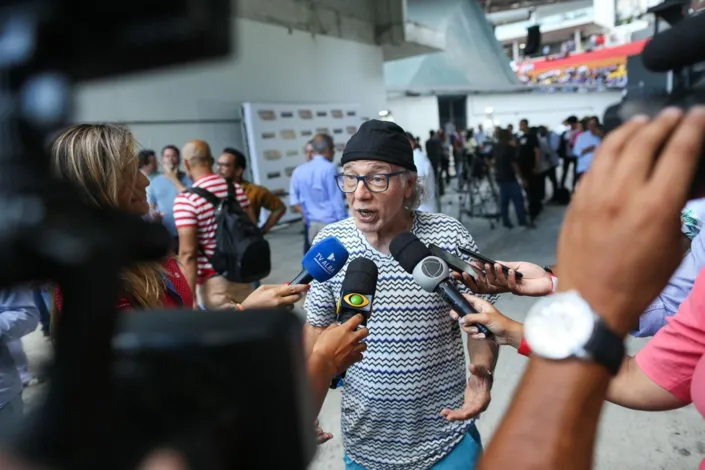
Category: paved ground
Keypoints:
(628, 439)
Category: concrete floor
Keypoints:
(628, 439)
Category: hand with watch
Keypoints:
(618, 247)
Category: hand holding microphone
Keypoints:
(275, 296)
(431, 273)
(491, 279)
(340, 345)
(505, 330)
(322, 262)
(356, 299)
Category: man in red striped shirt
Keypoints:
(195, 223)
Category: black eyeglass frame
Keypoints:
(363, 178)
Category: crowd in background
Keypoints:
(383, 177)
(611, 76)
(522, 163)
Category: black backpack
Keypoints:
(241, 252)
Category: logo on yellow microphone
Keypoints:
(357, 300)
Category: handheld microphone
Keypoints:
(676, 47)
(356, 296)
(431, 273)
(322, 262)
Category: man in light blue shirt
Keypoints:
(585, 146)
(164, 188)
(19, 316)
(314, 191)
(681, 283)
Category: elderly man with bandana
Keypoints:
(409, 404)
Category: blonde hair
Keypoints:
(100, 160)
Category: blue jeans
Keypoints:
(464, 456)
(511, 191)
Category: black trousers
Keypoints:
(445, 168)
(534, 193)
(436, 164)
(551, 176)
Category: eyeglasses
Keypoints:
(375, 182)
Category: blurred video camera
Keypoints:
(674, 52)
(228, 391)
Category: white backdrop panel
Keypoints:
(276, 134)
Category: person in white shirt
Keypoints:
(424, 169)
(585, 146)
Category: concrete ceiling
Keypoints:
(473, 60)
(491, 6)
(379, 22)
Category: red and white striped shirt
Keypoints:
(191, 210)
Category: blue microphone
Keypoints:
(322, 262)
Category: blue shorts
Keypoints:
(464, 456)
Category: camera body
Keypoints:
(227, 389)
(651, 102)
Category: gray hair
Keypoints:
(413, 201)
(322, 143)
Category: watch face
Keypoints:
(559, 326)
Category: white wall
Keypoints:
(272, 65)
(548, 109)
(417, 114)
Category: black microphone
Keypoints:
(356, 296)
(431, 273)
(676, 47)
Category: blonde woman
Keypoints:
(100, 160)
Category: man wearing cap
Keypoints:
(409, 403)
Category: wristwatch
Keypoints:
(564, 326)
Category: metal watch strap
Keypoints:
(605, 347)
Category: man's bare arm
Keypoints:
(632, 388)
(320, 375)
(174, 178)
(537, 158)
(188, 256)
(483, 353)
(311, 334)
(251, 214)
(552, 421)
(272, 220)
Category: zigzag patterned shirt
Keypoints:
(415, 363)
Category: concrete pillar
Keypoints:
(515, 51)
(578, 41)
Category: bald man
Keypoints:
(195, 224)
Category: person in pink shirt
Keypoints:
(675, 358)
(668, 373)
